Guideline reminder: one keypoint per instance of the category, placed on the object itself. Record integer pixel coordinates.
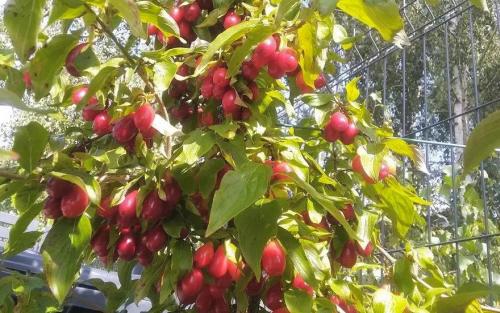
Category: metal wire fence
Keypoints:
(434, 92)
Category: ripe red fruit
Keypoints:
(102, 124)
(57, 188)
(301, 84)
(185, 31)
(234, 271)
(152, 30)
(154, 208)
(144, 116)
(206, 119)
(299, 283)
(172, 190)
(224, 282)
(105, 210)
(266, 49)
(74, 203)
(155, 239)
(273, 67)
(320, 82)
(71, 58)
(348, 135)
(383, 171)
(177, 14)
(229, 105)
(203, 256)
(367, 251)
(127, 247)
(356, 165)
(220, 77)
(124, 130)
(219, 91)
(249, 71)
(204, 301)
(220, 306)
(216, 291)
(144, 256)
(287, 61)
(279, 170)
(273, 259)
(274, 297)
(218, 266)
(79, 93)
(205, 4)
(348, 212)
(27, 80)
(192, 12)
(127, 209)
(206, 88)
(181, 112)
(100, 241)
(339, 121)
(231, 19)
(330, 134)
(348, 256)
(52, 208)
(254, 287)
(192, 283)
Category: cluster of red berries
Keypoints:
(357, 167)
(65, 199)
(132, 242)
(339, 127)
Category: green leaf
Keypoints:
(264, 217)
(196, 145)
(107, 72)
(298, 301)
(403, 275)
(156, 15)
(130, 12)
(22, 20)
(29, 144)
(182, 258)
(286, 8)
(239, 189)
(149, 277)
(482, 141)
(307, 38)
(227, 130)
(214, 16)
(352, 90)
(386, 302)
(296, 254)
(208, 175)
(465, 295)
(366, 225)
(325, 7)
(61, 11)
(19, 240)
(382, 15)
(480, 4)
(9, 98)
(48, 62)
(317, 99)
(84, 181)
(164, 72)
(257, 35)
(114, 296)
(225, 38)
(62, 253)
(401, 147)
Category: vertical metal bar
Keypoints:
(482, 180)
(426, 113)
(452, 156)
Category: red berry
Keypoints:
(339, 121)
(219, 91)
(274, 297)
(144, 256)
(57, 188)
(205, 4)
(348, 212)
(90, 112)
(144, 116)
(102, 124)
(220, 77)
(301, 84)
(177, 14)
(273, 67)
(218, 266)
(330, 134)
(234, 271)
(192, 12)
(152, 30)
(127, 209)
(347, 137)
(100, 241)
(356, 165)
(231, 19)
(367, 251)
(127, 247)
(206, 88)
(203, 256)
(204, 301)
(249, 71)
(229, 105)
(181, 112)
(383, 172)
(155, 239)
(105, 210)
(273, 259)
(254, 287)
(216, 291)
(279, 170)
(71, 58)
(287, 61)
(320, 82)
(206, 118)
(52, 208)
(74, 203)
(154, 209)
(348, 256)
(192, 283)
(225, 281)
(299, 283)
(27, 80)
(172, 190)
(185, 31)
(124, 130)
(266, 49)
(79, 93)
(220, 306)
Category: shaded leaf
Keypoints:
(317, 99)
(464, 296)
(130, 12)
(156, 15)
(208, 175)
(196, 145)
(29, 144)
(286, 8)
